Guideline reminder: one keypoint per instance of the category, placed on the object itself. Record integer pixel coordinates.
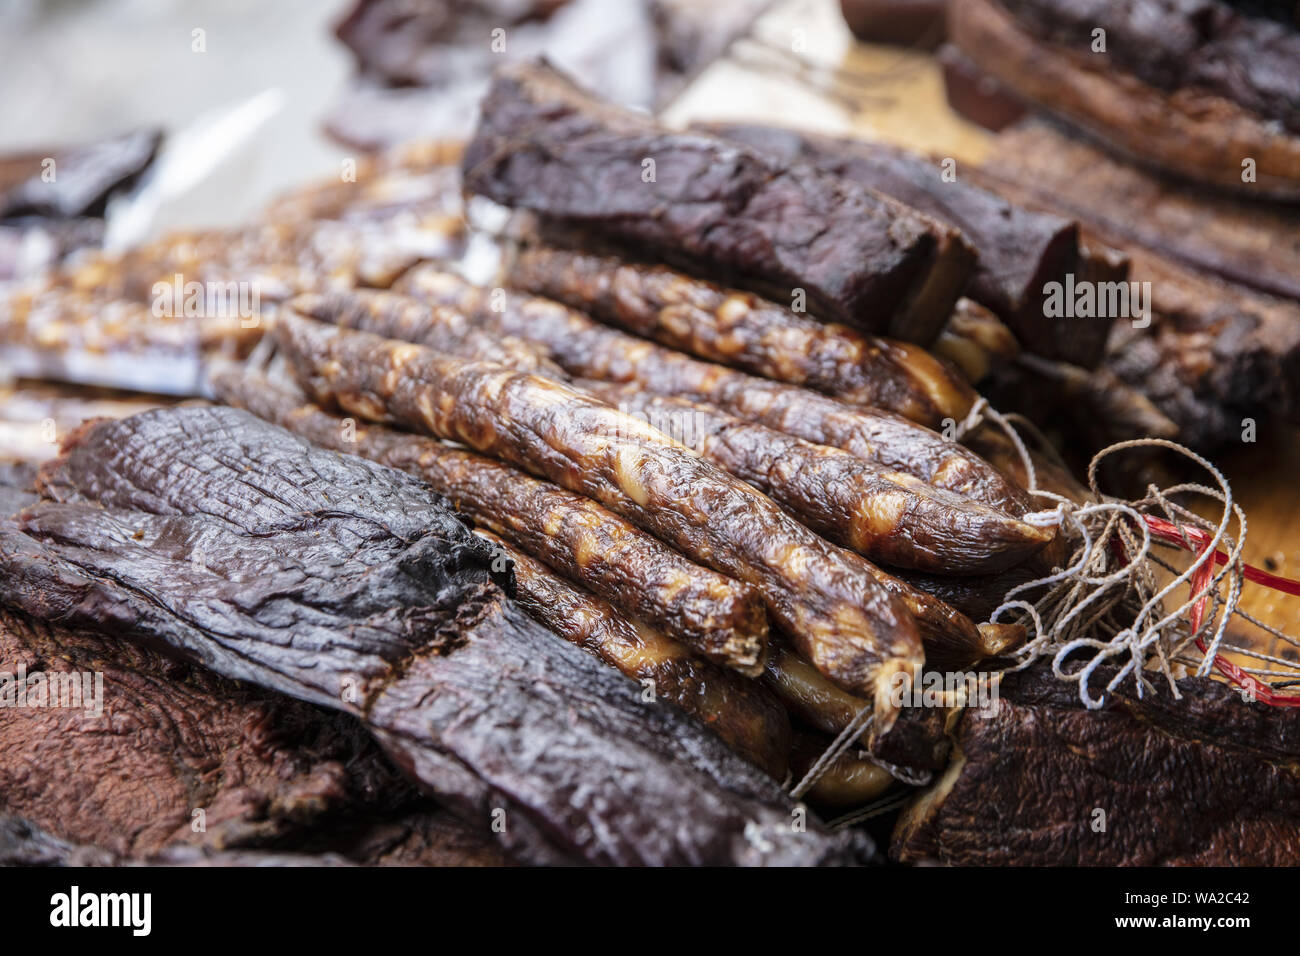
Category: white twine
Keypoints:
(1101, 608)
(855, 728)
(850, 733)
(885, 804)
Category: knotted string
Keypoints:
(1106, 604)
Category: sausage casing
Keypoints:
(587, 349)
(744, 331)
(886, 516)
(721, 618)
(823, 596)
(739, 711)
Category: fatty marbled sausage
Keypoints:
(400, 317)
(823, 596)
(587, 349)
(887, 516)
(745, 331)
(742, 712)
(721, 618)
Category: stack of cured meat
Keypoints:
(593, 562)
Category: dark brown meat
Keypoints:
(1020, 251)
(705, 204)
(747, 332)
(1101, 407)
(1049, 475)
(1217, 355)
(339, 581)
(947, 636)
(739, 711)
(716, 615)
(887, 516)
(79, 181)
(917, 740)
(976, 596)
(1194, 132)
(1254, 244)
(416, 838)
(975, 341)
(149, 753)
(814, 483)
(23, 843)
(1025, 786)
(974, 94)
(1215, 352)
(426, 837)
(883, 515)
(587, 349)
(410, 44)
(1205, 44)
(824, 596)
(913, 23)
(851, 780)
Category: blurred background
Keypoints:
(252, 104)
(253, 98)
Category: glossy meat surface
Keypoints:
(587, 349)
(233, 543)
(1020, 250)
(745, 331)
(739, 711)
(718, 616)
(824, 596)
(399, 317)
(861, 258)
(887, 516)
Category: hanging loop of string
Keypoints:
(1113, 604)
(1108, 606)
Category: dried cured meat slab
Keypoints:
(348, 584)
(718, 616)
(860, 258)
(1020, 250)
(1025, 785)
